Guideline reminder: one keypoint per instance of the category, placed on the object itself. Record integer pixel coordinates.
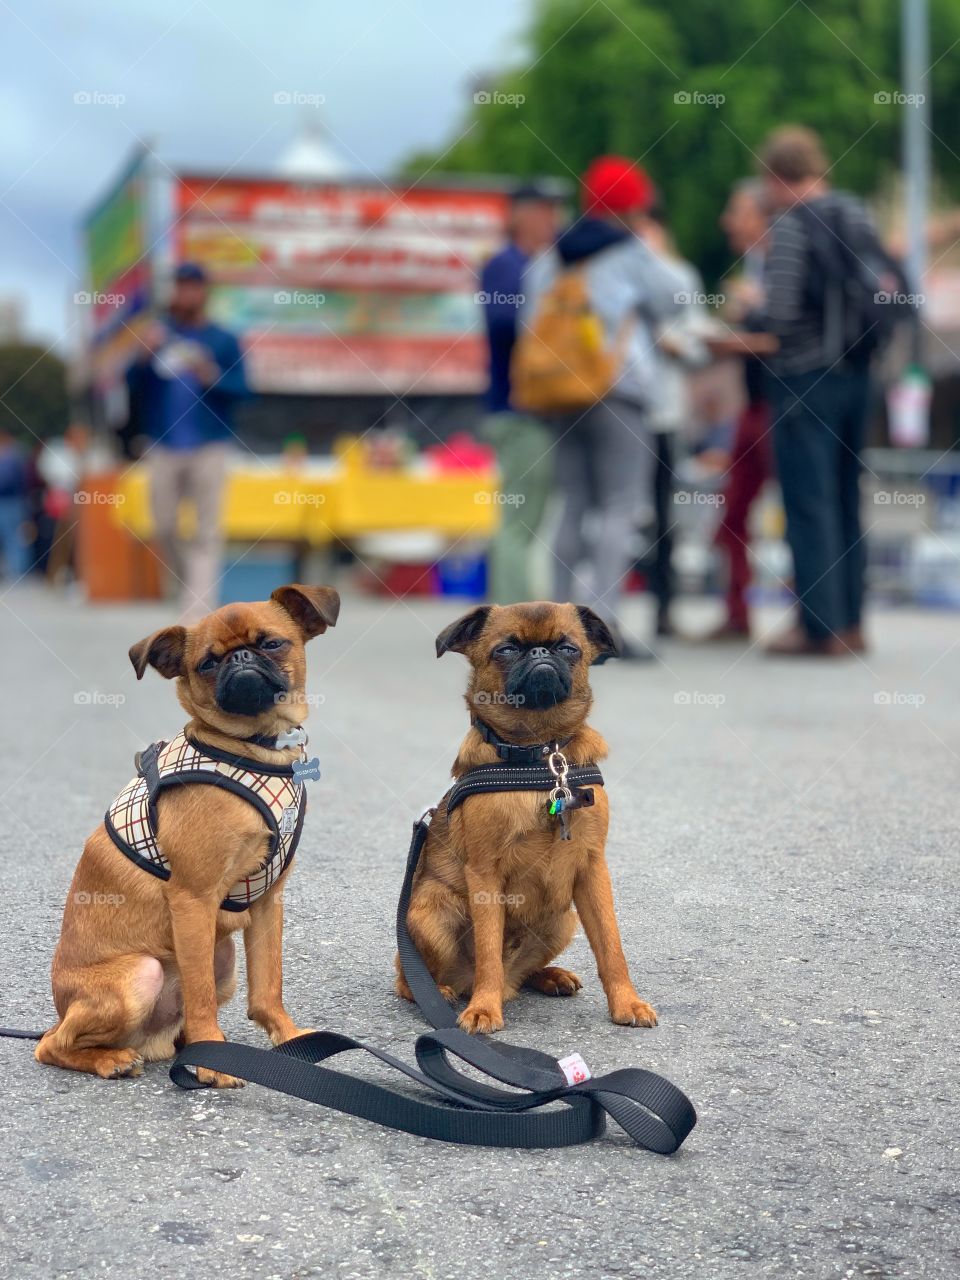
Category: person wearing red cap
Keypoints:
(605, 455)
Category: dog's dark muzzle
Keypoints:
(248, 684)
(539, 681)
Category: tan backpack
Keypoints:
(561, 362)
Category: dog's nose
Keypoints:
(241, 657)
(539, 652)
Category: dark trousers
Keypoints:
(660, 574)
(819, 424)
(751, 464)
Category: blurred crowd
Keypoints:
(598, 331)
(39, 491)
(602, 407)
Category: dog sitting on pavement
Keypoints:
(503, 877)
(196, 847)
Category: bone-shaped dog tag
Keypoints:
(306, 770)
(582, 798)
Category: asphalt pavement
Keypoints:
(784, 854)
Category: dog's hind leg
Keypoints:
(440, 927)
(529, 965)
(105, 1007)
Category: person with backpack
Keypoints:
(833, 295)
(522, 443)
(586, 361)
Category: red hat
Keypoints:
(612, 184)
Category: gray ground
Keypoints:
(786, 870)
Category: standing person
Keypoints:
(13, 508)
(522, 443)
(821, 390)
(744, 220)
(63, 465)
(681, 348)
(182, 390)
(604, 453)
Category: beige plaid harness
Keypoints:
(131, 820)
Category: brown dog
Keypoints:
(144, 961)
(494, 895)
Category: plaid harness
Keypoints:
(131, 820)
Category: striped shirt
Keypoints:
(808, 339)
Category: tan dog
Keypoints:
(494, 895)
(143, 962)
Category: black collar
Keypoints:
(512, 752)
(295, 737)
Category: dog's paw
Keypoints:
(218, 1080)
(115, 1064)
(481, 1018)
(630, 1011)
(554, 981)
(281, 1037)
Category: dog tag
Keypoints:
(582, 798)
(306, 770)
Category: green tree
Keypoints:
(33, 392)
(691, 89)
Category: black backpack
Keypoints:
(858, 287)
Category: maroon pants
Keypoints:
(751, 465)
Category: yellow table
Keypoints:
(345, 501)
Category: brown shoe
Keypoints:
(853, 638)
(797, 644)
(725, 633)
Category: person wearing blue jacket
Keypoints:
(522, 443)
(183, 387)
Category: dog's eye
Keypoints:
(273, 644)
(210, 663)
(570, 650)
(506, 650)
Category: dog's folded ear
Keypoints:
(464, 631)
(606, 644)
(313, 609)
(164, 651)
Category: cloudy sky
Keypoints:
(197, 78)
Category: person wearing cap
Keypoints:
(183, 386)
(605, 456)
(522, 443)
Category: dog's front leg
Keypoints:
(263, 944)
(593, 897)
(487, 912)
(194, 922)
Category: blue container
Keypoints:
(255, 575)
(462, 575)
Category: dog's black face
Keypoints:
(248, 680)
(537, 675)
(531, 662)
(243, 667)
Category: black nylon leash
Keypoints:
(655, 1113)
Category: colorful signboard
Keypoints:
(345, 288)
(118, 258)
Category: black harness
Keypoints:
(655, 1113)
